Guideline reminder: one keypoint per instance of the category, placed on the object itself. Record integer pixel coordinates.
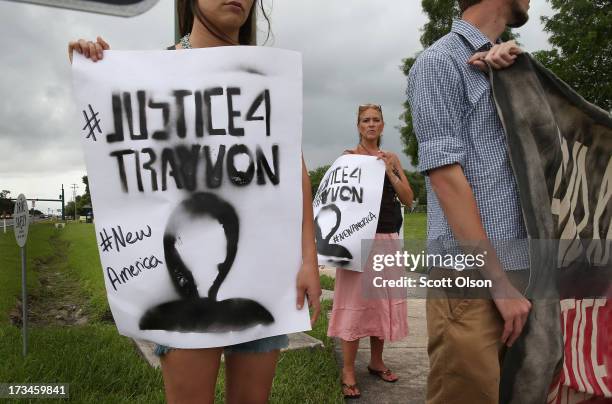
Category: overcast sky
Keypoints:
(351, 50)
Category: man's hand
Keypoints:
(457, 200)
(514, 309)
(499, 57)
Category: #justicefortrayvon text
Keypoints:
(180, 163)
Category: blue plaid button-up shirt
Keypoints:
(455, 121)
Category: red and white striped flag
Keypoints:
(587, 364)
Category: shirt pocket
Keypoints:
(477, 85)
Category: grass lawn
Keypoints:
(415, 235)
(10, 264)
(309, 376)
(415, 226)
(104, 367)
(327, 282)
(84, 262)
(99, 365)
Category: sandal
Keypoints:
(382, 373)
(350, 391)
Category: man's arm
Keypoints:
(457, 200)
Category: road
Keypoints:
(11, 222)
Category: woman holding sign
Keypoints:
(190, 374)
(380, 318)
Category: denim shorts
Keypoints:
(262, 345)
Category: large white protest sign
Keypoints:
(346, 209)
(194, 168)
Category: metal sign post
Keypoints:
(22, 223)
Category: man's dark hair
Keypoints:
(465, 4)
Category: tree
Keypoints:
(69, 210)
(417, 183)
(85, 199)
(86, 182)
(441, 14)
(6, 205)
(316, 176)
(581, 36)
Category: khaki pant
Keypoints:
(465, 349)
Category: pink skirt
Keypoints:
(357, 314)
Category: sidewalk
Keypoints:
(407, 359)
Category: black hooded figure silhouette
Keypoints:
(192, 313)
(337, 254)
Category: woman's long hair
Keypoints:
(187, 9)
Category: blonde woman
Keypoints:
(353, 316)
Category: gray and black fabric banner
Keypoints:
(561, 152)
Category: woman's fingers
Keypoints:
(384, 155)
(391, 161)
(84, 47)
(93, 53)
(73, 46)
(387, 158)
(90, 49)
(99, 51)
(315, 304)
(101, 46)
(103, 43)
(301, 295)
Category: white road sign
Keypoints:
(22, 220)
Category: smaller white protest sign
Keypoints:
(22, 220)
(346, 209)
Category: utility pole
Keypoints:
(74, 188)
(63, 204)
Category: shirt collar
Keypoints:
(475, 38)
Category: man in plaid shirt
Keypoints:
(472, 196)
